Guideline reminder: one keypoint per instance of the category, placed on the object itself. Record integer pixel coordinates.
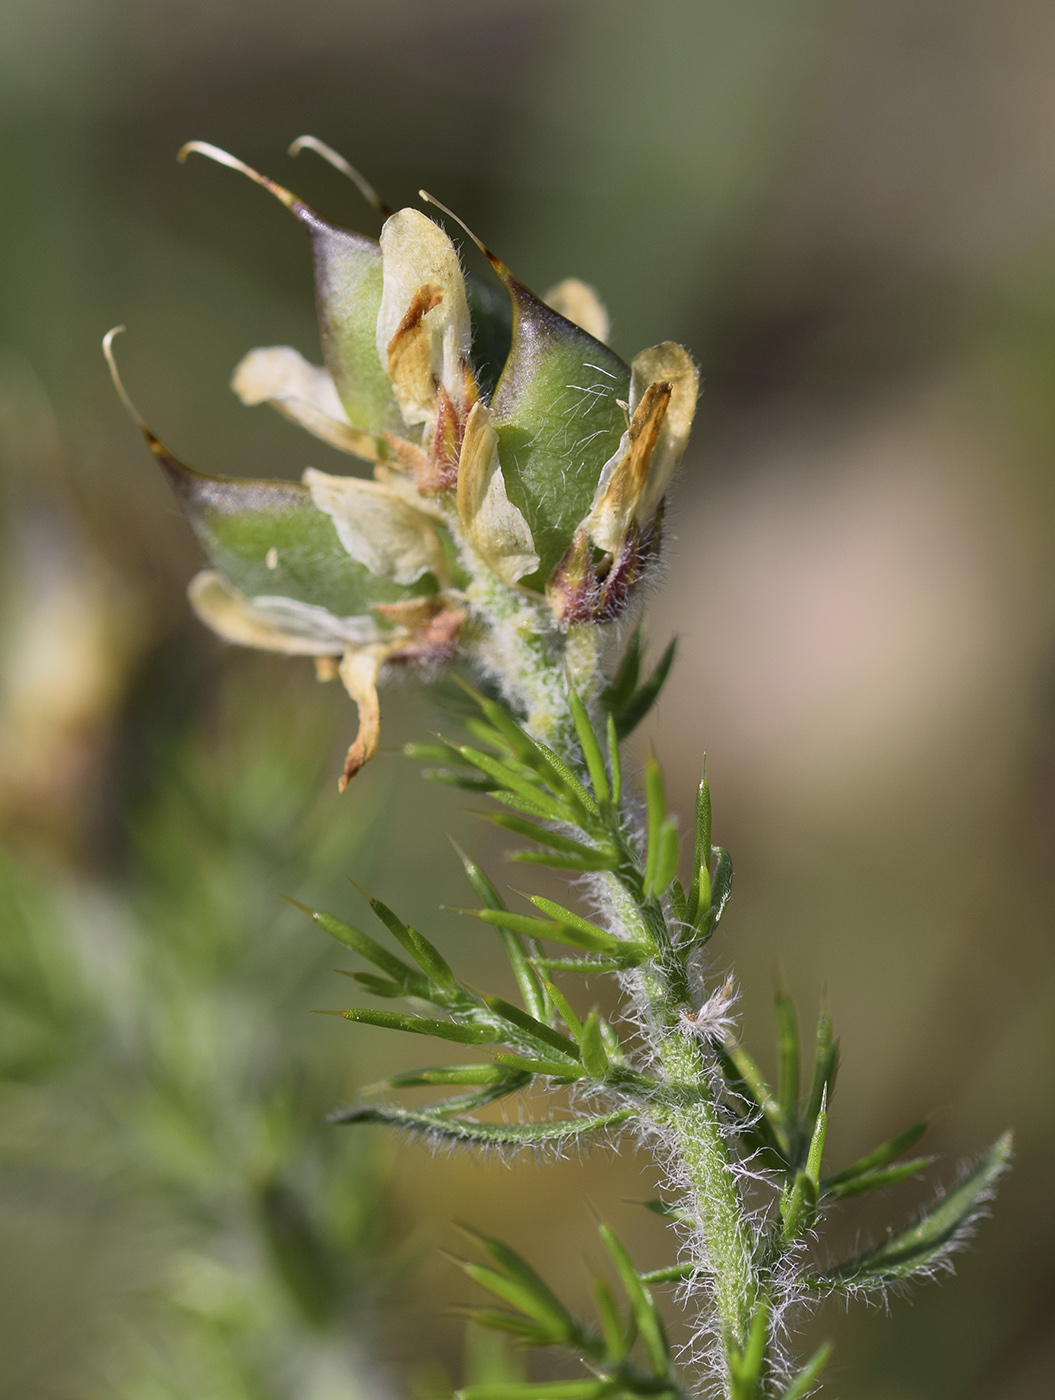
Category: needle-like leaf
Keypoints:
(927, 1244)
(553, 1133)
(422, 1025)
(878, 1157)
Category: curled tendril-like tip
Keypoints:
(362, 184)
(205, 148)
(496, 263)
(133, 412)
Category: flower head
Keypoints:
(505, 437)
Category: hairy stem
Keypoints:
(533, 662)
(535, 667)
(689, 1115)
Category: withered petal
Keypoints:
(379, 527)
(492, 525)
(304, 393)
(423, 326)
(359, 670)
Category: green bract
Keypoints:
(558, 411)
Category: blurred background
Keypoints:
(846, 209)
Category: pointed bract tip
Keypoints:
(362, 184)
(431, 199)
(205, 148)
(133, 412)
(296, 904)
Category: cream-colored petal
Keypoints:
(423, 329)
(359, 671)
(617, 501)
(580, 304)
(671, 364)
(305, 394)
(379, 528)
(491, 523)
(400, 484)
(664, 387)
(274, 624)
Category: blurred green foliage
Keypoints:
(158, 1067)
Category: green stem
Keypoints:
(534, 664)
(689, 1113)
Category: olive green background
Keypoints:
(845, 210)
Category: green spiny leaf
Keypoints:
(700, 888)
(878, 1157)
(536, 757)
(825, 1065)
(875, 1181)
(649, 1322)
(564, 779)
(427, 753)
(612, 1328)
(670, 1212)
(804, 1382)
(449, 1074)
(486, 733)
(538, 803)
(564, 1009)
(410, 980)
(788, 1051)
(553, 1069)
(553, 1133)
(546, 1307)
(417, 945)
(514, 949)
(379, 986)
(535, 1029)
(674, 1273)
(926, 1244)
(591, 749)
(499, 1320)
(555, 931)
(618, 693)
(479, 881)
(798, 1207)
(594, 1054)
(586, 861)
(630, 715)
(467, 782)
(666, 857)
(538, 1303)
(554, 839)
(567, 917)
(714, 896)
(422, 1025)
(490, 1093)
(745, 1367)
(586, 966)
(655, 817)
(615, 763)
